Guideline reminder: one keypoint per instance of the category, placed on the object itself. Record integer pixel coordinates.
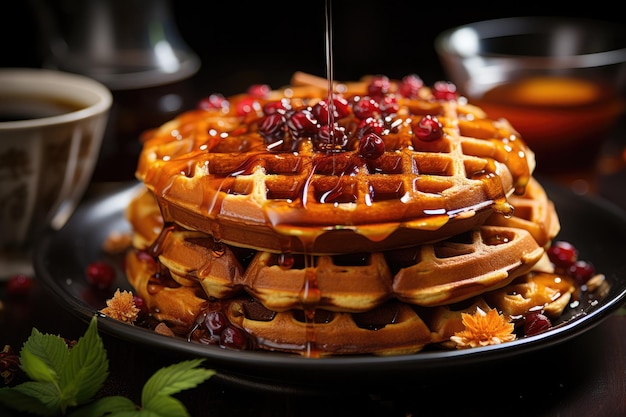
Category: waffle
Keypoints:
(213, 171)
(534, 212)
(187, 275)
(333, 245)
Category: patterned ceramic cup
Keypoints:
(51, 129)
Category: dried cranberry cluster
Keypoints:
(564, 256)
(341, 124)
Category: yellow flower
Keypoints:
(122, 307)
(484, 328)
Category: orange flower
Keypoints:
(484, 328)
(122, 307)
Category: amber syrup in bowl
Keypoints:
(564, 120)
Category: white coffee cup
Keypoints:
(51, 129)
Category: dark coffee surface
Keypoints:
(15, 108)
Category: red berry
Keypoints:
(365, 107)
(562, 254)
(536, 322)
(389, 105)
(410, 86)
(278, 106)
(378, 86)
(581, 271)
(214, 101)
(341, 109)
(247, 105)
(370, 125)
(215, 321)
(271, 126)
(259, 90)
(141, 305)
(428, 129)
(302, 123)
(19, 285)
(234, 338)
(326, 142)
(100, 274)
(371, 146)
(444, 90)
(9, 364)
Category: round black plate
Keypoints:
(596, 227)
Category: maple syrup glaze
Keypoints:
(341, 173)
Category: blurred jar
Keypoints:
(134, 48)
(559, 81)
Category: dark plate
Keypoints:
(596, 227)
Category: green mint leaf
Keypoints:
(43, 356)
(87, 367)
(164, 405)
(104, 406)
(173, 379)
(16, 400)
(38, 398)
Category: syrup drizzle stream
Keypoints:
(310, 291)
(329, 70)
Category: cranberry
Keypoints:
(100, 274)
(214, 101)
(444, 90)
(581, 271)
(141, 305)
(338, 140)
(259, 90)
(378, 86)
(371, 125)
(536, 322)
(341, 109)
(389, 105)
(247, 105)
(19, 285)
(562, 254)
(279, 106)
(364, 107)
(215, 322)
(234, 338)
(371, 146)
(9, 364)
(428, 129)
(271, 126)
(302, 123)
(410, 86)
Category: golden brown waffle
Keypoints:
(320, 246)
(391, 329)
(454, 270)
(212, 171)
(354, 289)
(445, 272)
(549, 291)
(534, 212)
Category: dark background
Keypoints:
(245, 43)
(266, 41)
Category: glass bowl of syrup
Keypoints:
(561, 82)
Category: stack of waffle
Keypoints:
(313, 243)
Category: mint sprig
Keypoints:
(64, 381)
